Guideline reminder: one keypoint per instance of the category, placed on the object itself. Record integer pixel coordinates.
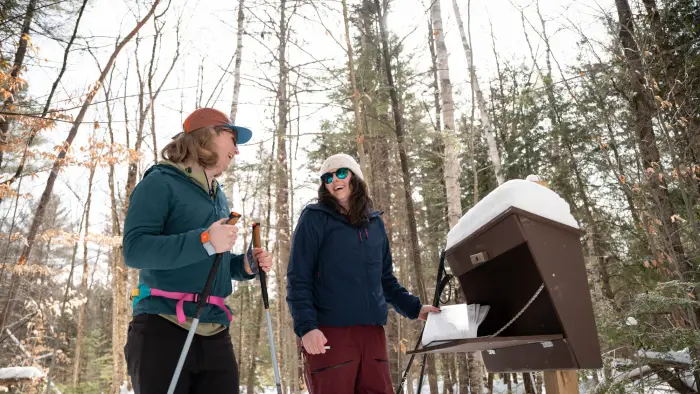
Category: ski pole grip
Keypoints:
(263, 282)
(202, 302)
(233, 218)
(256, 235)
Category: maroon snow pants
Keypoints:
(356, 363)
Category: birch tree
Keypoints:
(486, 122)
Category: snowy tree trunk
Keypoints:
(452, 164)
(485, 118)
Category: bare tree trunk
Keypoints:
(485, 118)
(58, 324)
(452, 163)
(119, 271)
(476, 377)
(237, 64)
(400, 136)
(258, 324)
(83, 284)
(450, 373)
(14, 74)
(282, 179)
(463, 368)
(355, 97)
(527, 381)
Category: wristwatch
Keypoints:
(204, 237)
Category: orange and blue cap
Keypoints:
(210, 117)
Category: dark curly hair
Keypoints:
(359, 201)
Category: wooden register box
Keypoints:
(503, 264)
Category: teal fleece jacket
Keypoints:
(167, 213)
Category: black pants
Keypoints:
(153, 348)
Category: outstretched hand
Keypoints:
(425, 309)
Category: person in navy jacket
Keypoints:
(340, 282)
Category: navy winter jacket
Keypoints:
(341, 275)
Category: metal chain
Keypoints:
(521, 311)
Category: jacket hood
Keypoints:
(166, 169)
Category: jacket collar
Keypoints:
(332, 212)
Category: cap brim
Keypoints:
(243, 135)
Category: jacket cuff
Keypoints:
(415, 311)
(305, 328)
(238, 268)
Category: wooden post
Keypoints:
(561, 382)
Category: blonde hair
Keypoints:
(196, 146)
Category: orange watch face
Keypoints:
(204, 237)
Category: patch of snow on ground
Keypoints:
(21, 373)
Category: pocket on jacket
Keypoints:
(329, 367)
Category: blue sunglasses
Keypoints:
(341, 173)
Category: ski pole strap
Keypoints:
(144, 291)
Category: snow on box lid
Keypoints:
(517, 193)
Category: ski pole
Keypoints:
(232, 219)
(442, 279)
(263, 285)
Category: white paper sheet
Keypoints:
(460, 321)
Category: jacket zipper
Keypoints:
(367, 280)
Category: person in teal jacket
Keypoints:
(174, 227)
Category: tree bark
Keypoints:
(403, 157)
(118, 268)
(258, 324)
(237, 64)
(83, 284)
(355, 97)
(283, 235)
(476, 377)
(485, 118)
(643, 110)
(14, 75)
(452, 162)
(527, 381)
